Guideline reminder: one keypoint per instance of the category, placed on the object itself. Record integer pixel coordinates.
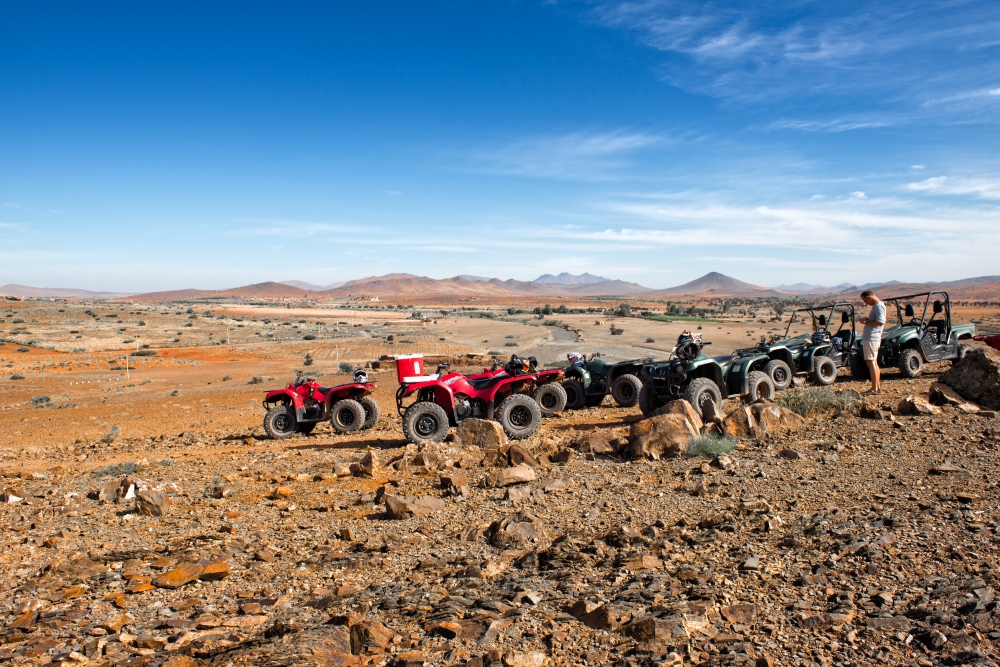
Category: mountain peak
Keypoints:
(566, 278)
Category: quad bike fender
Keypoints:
(624, 368)
(705, 367)
(355, 391)
(807, 363)
(782, 353)
(739, 373)
(443, 395)
(283, 396)
(577, 373)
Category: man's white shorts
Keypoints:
(870, 348)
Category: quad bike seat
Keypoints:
(486, 383)
(725, 360)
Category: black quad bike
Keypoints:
(590, 380)
(697, 378)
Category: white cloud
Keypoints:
(918, 166)
(986, 188)
(574, 156)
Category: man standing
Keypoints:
(871, 338)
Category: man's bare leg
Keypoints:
(876, 375)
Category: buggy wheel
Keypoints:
(780, 373)
(425, 421)
(625, 390)
(648, 402)
(963, 352)
(911, 364)
(306, 429)
(279, 422)
(519, 415)
(701, 390)
(551, 398)
(575, 394)
(372, 411)
(859, 368)
(761, 386)
(347, 416)
(825, 370)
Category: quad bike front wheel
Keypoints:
(279, 422)
(425, 421)
(576, 395)
(859, 368)
(911, 364)
(625, 390)
(780, 372)
(519, 415)
(372, 411)
(347, 416)
(825, 370)
(551, 398)
(647, 401)
(761, 386)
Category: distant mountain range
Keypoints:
(397, 286)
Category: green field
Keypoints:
(671, 318)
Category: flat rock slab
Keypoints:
(184, 573)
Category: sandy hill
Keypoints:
(981, 288)
(717, 284)
(565, 278)
(268, 290)
(55, 292)
(405, 284)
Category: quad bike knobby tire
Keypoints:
(625, 390)
(647, 401)
(279, 422)
(859, 369)
(425, 421)
(551, 398)
(760, 386)
(347, 416)
(372, 411)
(519, 415)
(824, 370)
(963, 352)
(701, 390)
(780, 373)
(911, 364)
(576, 396)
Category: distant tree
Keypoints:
(512, 311)
(547, 310)
(562, 309)
(537, 310)
(308, 361)
(624, 309)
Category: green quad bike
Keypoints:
(818, 354)
(697, 378)
(910, 342)
(588, 383)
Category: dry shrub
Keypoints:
(820, 401)
(710, 445)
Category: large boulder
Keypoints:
(759, 419)
(518, 474)
(683, 408)
(487, 435)
(663, 436)
(401, 507)
(977, 377)
(942, 394)
(916, 406)
(516, 531)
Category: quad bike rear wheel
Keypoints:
(701, 390)
(279, 422)
(761, 386)
(551, 398)
(372, 411)
(519, 415)
(625, 390)
(576, 396)
(780, 373)
(647, 401)
(425, 421)
(859, 368)
(911, 364)
(824, 370)
(347, 416)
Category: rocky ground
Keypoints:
(848, 541)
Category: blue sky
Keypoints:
(210, 145)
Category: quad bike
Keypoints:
(303, 404)
(549, 393)
(445, 399)
(991, 340)
(697, 378)
(912, 342)
(589, 380)
(818, 354)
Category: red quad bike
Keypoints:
(549, 394)
(304, 403)
(445, 401)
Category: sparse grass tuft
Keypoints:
(345, 367)
(820, 401)
(118, 469)
(110, 436)
(256, 379)
(710, 445)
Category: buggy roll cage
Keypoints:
(826, 319)
(907, 310)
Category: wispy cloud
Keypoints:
(573, 156)
(985, 188)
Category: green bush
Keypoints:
(820, 401)
(710, 445)
(345, 367)
(511, 344)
